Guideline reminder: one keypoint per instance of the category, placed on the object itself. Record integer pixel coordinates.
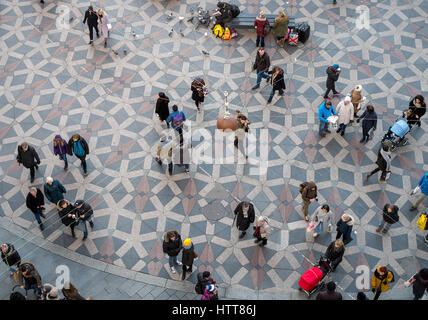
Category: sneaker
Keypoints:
(66, 166)
(91, 224)
(322, 135)
(186, 170)
(183, 276)
(42, 227)
(85, 237)
(179, 263)
(90, 42)
(254, 88)
(173, 270)
(338, 130)
(73, 234)
(378, 230)
(338, 92)
(328, 98)
(315, 234)
(384, 231)
(362, 140)
(412, 208)
(268, 102)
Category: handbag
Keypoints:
(195, 255)
(266, 29)
(257, 232)
(109, 26)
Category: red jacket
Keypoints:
(260, 24)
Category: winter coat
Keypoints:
(420, 285)
(355, 96)
(85, 211)
(265, 229)
(203, 282)
(243, 223)
(11, 257)
(82, 142)
(277, 81)
(187, 256)
(32, 278)
(320, 216)
(103, 22)
(171, 118)
(259, 23)
(390, 217)
(345, 227)
(327, 295)
(54, 192)
(334, 256)
(383, 160)
(369, 120)
(172, 248)
(92, 18)
(60, 148)
(345, 112)
(423, 184)
(324, 113)
(262, 63)
(308, 193)
(280, 26)
(382, 282)
(64, 212)
(332, 77)
(197, 90)
(162, 108)
(28, 158)
(33, 203)
(420, 111)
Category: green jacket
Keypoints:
(280, 26)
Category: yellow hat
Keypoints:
(187, 242)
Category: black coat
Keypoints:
(369, 120)
(390, 217)
(92, 18)
(420, 285)
(244, 223)
(85, 211)
(34, 202)
(197, 91)
(381, 162)
(278, 82)
(262, 63)
(11, 256)
(63, 215)
(325, 295)
(162, 108)
(332, 77)
(344, 228)
(82, 142)
(418, 111)
(188, 255)
(172, 248)
(28, 158)
(334, 256)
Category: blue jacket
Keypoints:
(172, 115)
(423, 183)
(324, 113)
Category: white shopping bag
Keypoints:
(415, 190)
(109, 26)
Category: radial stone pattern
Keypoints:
(53, 82)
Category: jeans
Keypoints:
(384, 225)
(345, 240)
(260, 75)
(180, 133)
(319, 227)
(172, 260)
(342, 127)
(37, 216)
(83, 161)
(328, 91)
(85, 227)
(63, 157)
(262, 42)
(91, 31)
(281, 92)
(323, 127)
(32, 286)
(264, 240)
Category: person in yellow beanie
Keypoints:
(188, 256)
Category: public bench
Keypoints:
(246, 20)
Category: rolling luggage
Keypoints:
(310, 278)
(303, 29)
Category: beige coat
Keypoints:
(264, 228)
(356, 99)
(345, 112)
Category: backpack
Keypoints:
(227, 35)
(218, 30)
(293, 38)
(422, 221)
(302, 186)
(198, 288)
(233, 33)
(266, 29)
(177, 120)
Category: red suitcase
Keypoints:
(310, 278)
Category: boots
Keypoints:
(368, 176)
(66, 165)
(91, 223)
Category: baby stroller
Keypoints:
(395, 137)
(314, 278)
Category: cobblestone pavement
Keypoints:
(52, 82)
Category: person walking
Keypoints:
(181, 156)
(29, 158)
(244, 215)
(80, 148)
(10, 257)
(308, 190)
(164, 152)
(70, 292)
(242, 129)
(187, 257)
(417, 108)
(356, 99)
(334, 253)
(162, 109)
(103, 22)
(35, 202)
(369, 122)
(344, 227)
(260, 23)
(177, 119)
(60, 148)
(84, 212)
(262, 230)
(325, 110)
(172, 246)
(345, 112)
(261, 65)
(321, 217)
(198, 91)
(204, 279)
(92, 19)
(29, 278)
(333, 73)
(423, 186)
(277, 81)
(383, 162)
(380, 281)
(419, 282)
(330, 293)
(280, 28)
(54, 190)
(68, 215)
(389, 217)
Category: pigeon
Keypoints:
(169, 17)
(125, 52)
(133, 34)
(71, 19)
(206, 53)
(115, 52)
(170, 33)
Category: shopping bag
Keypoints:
(422, 221)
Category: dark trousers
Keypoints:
(83, 161)
(366, 134)
(91, 31)
(328, 90)
(383, 175)
(345, 240)
(376, 297)
(32, 171)
(185, 269)
(261, 40)
(264, 240)
(180, 132)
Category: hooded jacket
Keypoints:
(324, 113)
(34, 202)
(11, 256)
(334, 256)
(262, 63)
(64, 212)
(55, 191)
(85, 212)
(82, 142)
(28, 158)
(382, 282)
(345, 227)
(259, 23)
(61, 147)
(162, 108)
(390, 217)
(332, 77)
(308, 193)
(243, 223)
(172, 248)
(188, 255)
(33, 276)
(280, 26)
(420, 285)
(277, 81)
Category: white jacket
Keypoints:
(345, 112)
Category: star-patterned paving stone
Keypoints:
(53, 82)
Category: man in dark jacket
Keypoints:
(29, 278)
(330, 294)
(277, 81)
(308, 190)
(172, 246)
(420, 283)
(10, 257)
(29, 158)
(262, 65)
(369, 121)
(334, 253)
(389, 216)
(67, 214)
(162, 109)
(79, 146)
(84, 212)
(54, 190)
(92, 18)
(35, 202)
(333, 73)
(204, 279)
(245, 216)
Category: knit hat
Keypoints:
(335, 66)
(187, 243)
(348, 98)
(211, 288)
(358, 88)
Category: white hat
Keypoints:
(358, 88)
(163, 138)
(348, 98)
(49, 180)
